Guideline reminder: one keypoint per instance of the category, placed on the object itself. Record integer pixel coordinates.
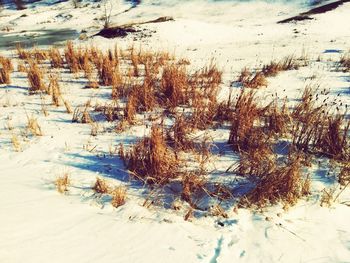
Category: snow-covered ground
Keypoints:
(37, 224)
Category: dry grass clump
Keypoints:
(316, 130)
(4, 76)
(54, 90)
(253, 81)
(35, 78)
(101, 186)
(39, 54)
(308, 122)
(118, 196)
(344, 175)
(174, 86)
(21, 67)
(287, 63)
(177, 135)
(335, 141)
(82, 114)
(71, 57)
(22, 54)
(345, 61)
(284, 183)
(106, 72)
(257, 161)
(193, 183)
(245, 117)
(258, 79)
(131, 108)
(118, 193)
(277, 119)
(151, 160)
(6, 68)
(6, 63)
(111, 111)
(33, 126)
(62, 183)
(218, 211)
(56, 59)
(16, 143)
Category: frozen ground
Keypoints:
(37, 224)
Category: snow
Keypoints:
(37, 224)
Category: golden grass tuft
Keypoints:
(192, 184)
(101, 186)
(316, 130)
(56, 59)
(16, 143)
(344, 175)
(345, 61)
(285, 183)
(22, 54)
(6, 68)
(54, 90)
(118, 196)
(245, 116)
(21, 67)
(33, 126)
(257, 80)
(62, 183)
(150, 159)
(174, 85)
(218, 211)
(35, 78)
(71, 57)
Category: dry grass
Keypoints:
(131, 107)
(107, 72)
(344, 175)
(16, 143)
(246, 114)
(277, 118)
(101, 186)
(112, 111)
(39, 55)
(54, 90)
(287, 63)
(21, 67)
(218, 211)
(257, 161)
(22, 54)
(35, 78)
(6, 68)
(335, 141)
(177, 135)
(33, 126)
(316, 130)
(253, 81)
(285, 183)
(193, 183)
(71, 57)
(345, 62)
(258, 79)
(62, 183)
(156, 87)
(4, 76)
(151, 160)
(174, 86)
(56, 59)
(82, 114)
(118, 196)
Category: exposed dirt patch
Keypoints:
(124, 30)
(317, 10)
